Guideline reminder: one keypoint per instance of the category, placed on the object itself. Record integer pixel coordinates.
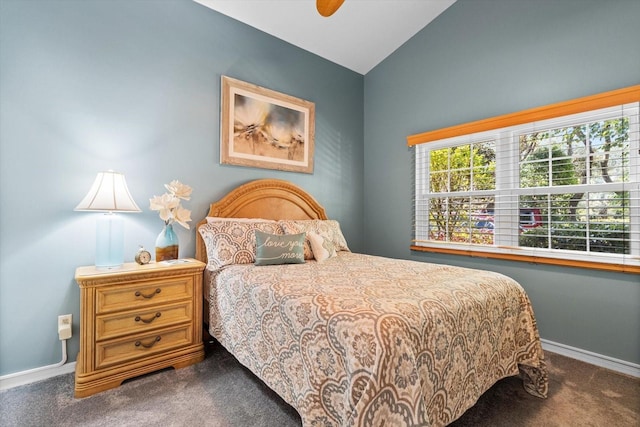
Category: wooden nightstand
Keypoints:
(137, 319)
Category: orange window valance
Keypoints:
(575, 106)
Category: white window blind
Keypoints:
(567, 187)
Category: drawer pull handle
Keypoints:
(151, 295)
(149, 320)
(151, 344)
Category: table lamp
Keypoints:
(109, 194)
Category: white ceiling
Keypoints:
(358, 36)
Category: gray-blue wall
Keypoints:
(482, 58)
(134, 86)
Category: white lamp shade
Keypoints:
(109, 193)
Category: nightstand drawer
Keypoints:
(137, 321)
(142, 294)
(120, 351)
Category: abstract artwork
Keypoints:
(265, 129)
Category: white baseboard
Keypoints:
(628, 368)
(33, 375)
(600, 360)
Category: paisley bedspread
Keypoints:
(360, 340)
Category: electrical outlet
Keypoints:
(64, 326)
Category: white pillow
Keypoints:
(322, 248)
(329, 229)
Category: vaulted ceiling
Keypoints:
(358, 36)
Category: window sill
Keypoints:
(618, 268)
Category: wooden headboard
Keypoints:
(263, 198)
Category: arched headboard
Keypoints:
(263, 198)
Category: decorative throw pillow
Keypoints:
(329, 230)
(233, 242)
(272, 249)
(322, 248)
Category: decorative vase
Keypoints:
(167, 244)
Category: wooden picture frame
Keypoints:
(263, 128)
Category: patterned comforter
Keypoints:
(360, 340)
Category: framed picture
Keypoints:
(263, 128)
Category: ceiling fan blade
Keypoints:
(328, 7)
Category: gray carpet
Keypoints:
(220, 392)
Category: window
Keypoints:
(563, 190)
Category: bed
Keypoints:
(351, 339)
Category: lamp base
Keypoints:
(109, 241)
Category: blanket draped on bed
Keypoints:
(361, 340)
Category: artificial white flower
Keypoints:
(166, 201)
(168, 205)
(181, 191)
(182, 216)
